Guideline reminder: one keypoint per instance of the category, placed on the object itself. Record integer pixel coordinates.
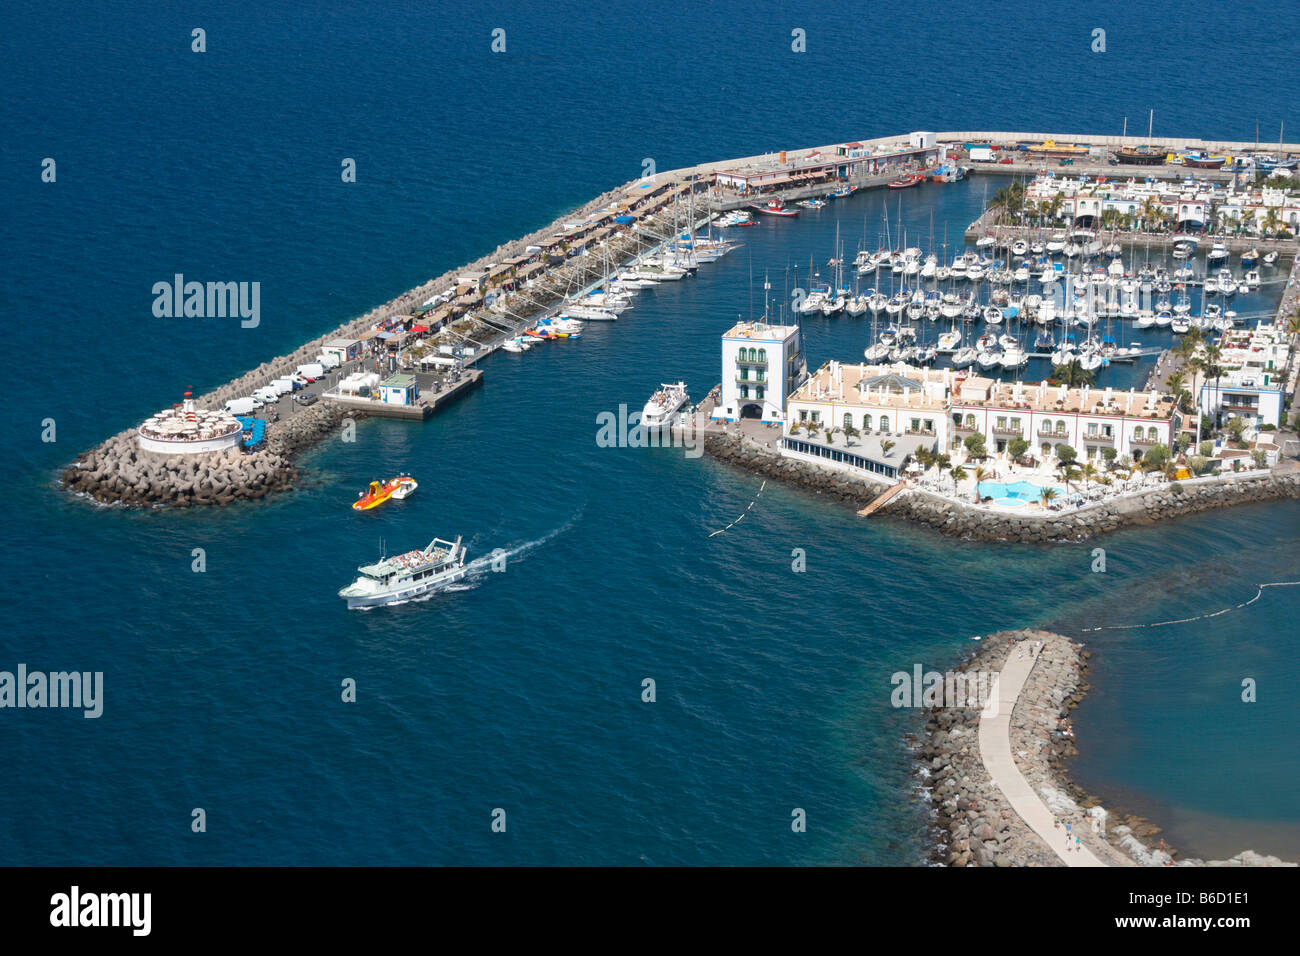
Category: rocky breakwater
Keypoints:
(975, 825)
(119, 472)
(964, 520)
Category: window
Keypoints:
(1138, 433)
(1002, 423)
(1015, 423)
(929, 424)
(1046, 449)
(916, 424)
(1106, 431)
(884, 423)
(848, 420)
(803, 414)
(970, 421)
(1060, 427)
(1092, 429)
(1152, 433)
(762, 355)
(816, 416)
(758, 392)
(866, 422)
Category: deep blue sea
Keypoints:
(522, 690)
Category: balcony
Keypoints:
(924, 432)
(1010, 431)
(965, 427)
(1099, 436)
(741, 380)
(1051, 433)
(1136, 440)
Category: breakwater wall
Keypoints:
(960, 520)
(974, 824)
(117, 472)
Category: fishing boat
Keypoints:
(664, 404)
(906, 182)
(775, 207)
(405, 576)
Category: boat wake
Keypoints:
(480, 568)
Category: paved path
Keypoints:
(995, 748)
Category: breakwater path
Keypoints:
(995, 749)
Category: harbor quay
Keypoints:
(532, 289)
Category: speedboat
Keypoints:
(1270, 257)
(1249, 258)
(1218, 254)
(406, 486)
(406, 576)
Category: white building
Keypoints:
(761, 365)
(1248, 393)
(1089, 420)
(188, 430)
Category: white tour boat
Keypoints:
(406, 576)
(664, 404)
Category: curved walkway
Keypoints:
(995, 749)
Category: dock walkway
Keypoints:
(995, 750)
(882, 499)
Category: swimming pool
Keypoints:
(1013, 492)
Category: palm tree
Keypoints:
(1089, 473)
(981, 475)
(1046, 495)
(1176, 381)
(1068, 473)
(850, 433)
(1073, 374)
(886, 447)
(958, 475)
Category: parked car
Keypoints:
(1007, 160)
(305, 398)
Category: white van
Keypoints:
(312, 370)
(282, 386)
(242, 406)
(328, 360)
(267, 395)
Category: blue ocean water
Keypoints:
(523, 690)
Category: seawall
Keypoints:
(980, 524)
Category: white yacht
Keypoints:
(405, 576)
(664, 404)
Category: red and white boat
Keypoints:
(907, 181)
(775, 207)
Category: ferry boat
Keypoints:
(405, 576)
(664, 404)
(906, 182)
(775, 207)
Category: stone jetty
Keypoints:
(117, 472)
(973, 822)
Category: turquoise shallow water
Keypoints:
(523, 690)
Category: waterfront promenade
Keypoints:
(995, 748)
